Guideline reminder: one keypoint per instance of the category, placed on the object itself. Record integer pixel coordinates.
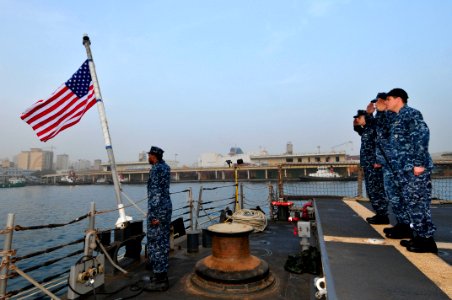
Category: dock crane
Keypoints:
(348, 143)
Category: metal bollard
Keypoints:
(192, 241)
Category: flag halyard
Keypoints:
(64, 108)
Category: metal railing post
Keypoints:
(199, 207)
(90, 237)
(270, 199)
(4, 267)
(360, 182)
(92, 216)
(190, 204)
(241, 196)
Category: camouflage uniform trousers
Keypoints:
(375, 189)
(417, 192)
(158, 245)
(393, 190)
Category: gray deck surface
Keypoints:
(366, 271)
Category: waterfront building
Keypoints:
(277, 159)
(36, 159)
(62, 162)
(97, 164)
(143, 156)
(81, 164)
(7, 164)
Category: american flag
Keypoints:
(64, 108)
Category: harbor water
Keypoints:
(41, 205)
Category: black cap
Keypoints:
(156, 150)
(379, 96)
(360, 112)
(397, 92)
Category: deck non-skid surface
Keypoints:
(273, 245)
(365, 265)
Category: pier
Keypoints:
(214, 174)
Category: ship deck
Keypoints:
(363, 264)
(358, 262)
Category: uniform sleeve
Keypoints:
(154, 192)
(420, 136)
(158, 194)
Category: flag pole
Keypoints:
(123, 219)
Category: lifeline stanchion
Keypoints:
(4, 267)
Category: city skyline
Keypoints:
(203, 76)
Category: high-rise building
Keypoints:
(36, 159)
(289, 148)
(23, 159)
(143, 156)
(97, 164)
(7, 164)
(81, 164)
(62, 162)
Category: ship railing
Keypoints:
(216, 204)
(15, 270)
(289, 187)
(208, 212)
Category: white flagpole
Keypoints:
(123, 219)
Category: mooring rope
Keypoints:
(254, 218)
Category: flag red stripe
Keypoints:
(68, 115)
(46, 115)
(69, 124)
(75, 113)
(39, 105)
(59, 102)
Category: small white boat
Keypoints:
(325, 172)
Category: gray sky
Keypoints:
(202, 76)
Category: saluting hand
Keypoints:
(370, 108)
(418, 170)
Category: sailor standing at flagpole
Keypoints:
(159, 220)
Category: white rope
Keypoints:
(254, 218)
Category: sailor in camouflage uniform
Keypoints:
(158, 220)
(392, 187)
(409, 137)
(373, 177)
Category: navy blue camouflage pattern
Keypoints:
(409, 137)
(384, 155)
(373, 177)
(159, 208)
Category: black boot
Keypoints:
(400, 231)
(159, 283)
(378, 219)
(423, 245)
(395, 227)
(406, 243)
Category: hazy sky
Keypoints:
(202, 76)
